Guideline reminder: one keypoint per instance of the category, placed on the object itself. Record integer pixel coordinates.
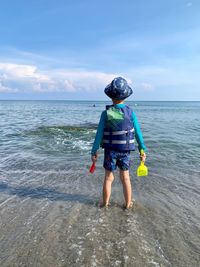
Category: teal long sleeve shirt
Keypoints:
(101, 126)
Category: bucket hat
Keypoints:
(118, 89)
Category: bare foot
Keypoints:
(129, 206)
(102, 205)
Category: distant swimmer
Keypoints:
(94, 105)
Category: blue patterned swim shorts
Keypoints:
(114, 159)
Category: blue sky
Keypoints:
(72, 49)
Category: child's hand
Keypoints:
(94, 158)
(143, 156)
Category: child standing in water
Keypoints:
(118, 126)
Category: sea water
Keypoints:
(49, 213)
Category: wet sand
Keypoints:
(53, 226)
(45, 227)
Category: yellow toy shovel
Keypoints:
(142, 170)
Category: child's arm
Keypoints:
(138, 136)
(98, 137)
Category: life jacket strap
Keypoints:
(118, 142)
(118, 132)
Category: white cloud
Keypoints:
(152, 78)
(17, 71)
(28, 78)
(5, 89)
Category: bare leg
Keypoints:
(109, 178)
(127, 189)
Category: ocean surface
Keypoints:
(49, 213)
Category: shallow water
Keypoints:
(49, 214)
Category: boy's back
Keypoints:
(118, 127)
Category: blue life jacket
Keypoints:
(118, 132)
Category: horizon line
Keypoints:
(91, 100)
